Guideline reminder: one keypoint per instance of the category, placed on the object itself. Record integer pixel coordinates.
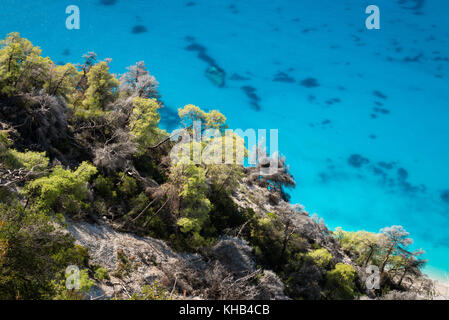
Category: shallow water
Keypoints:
(332, 88)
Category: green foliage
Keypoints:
(225, 214)
(5, 141)
(33, 253)
(154, 291)
(128, 186)
(102, 86)
(14, 159)
(144, 123)
(125, 265)
(321, 257)
(63, 191)
(22, 69)
(195, 206)
(62, 80)
(365, 247)
(213, 119)
(62, 293)
(101, 91)
(340, 282)
(267, 236)
(104, 187)
(101, 274)
(77, 254)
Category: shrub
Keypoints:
(61, 191)
(33, 253)
(125, 265)
(102, 274)
(14, 159)
(62, 293)
(28, 160)
(321, 257)
(128, 186)
(340, 282)
(154, 291)
(104, 187)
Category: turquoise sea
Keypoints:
(363, 115)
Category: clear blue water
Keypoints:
(399, 73)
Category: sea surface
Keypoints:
(362, 114)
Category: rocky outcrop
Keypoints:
(225, 271)
(308, 227)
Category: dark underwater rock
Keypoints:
(413, 5)
(310, 83)
(253, 97)
(108, 2)
(196, 47)
(138, 29)
(402, 174)
(213, 72)
(386, 165)
(357, 161)
(216, 75)
(445, 196)
(238, 77)
(379, 94)
(283, 77)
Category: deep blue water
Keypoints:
(332, 88)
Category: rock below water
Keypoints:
(445, 196)
(216, 75)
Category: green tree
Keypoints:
(396, 240)
(364, 247)
(411, 264)
(195, 206)
(62, 80)
(22, 68)
(144, 123)
(102, 87)
(209, 120)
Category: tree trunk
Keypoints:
(384, 263)
(369, 257)
(402, 277)
(286, 238)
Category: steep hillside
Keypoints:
(96, 204)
